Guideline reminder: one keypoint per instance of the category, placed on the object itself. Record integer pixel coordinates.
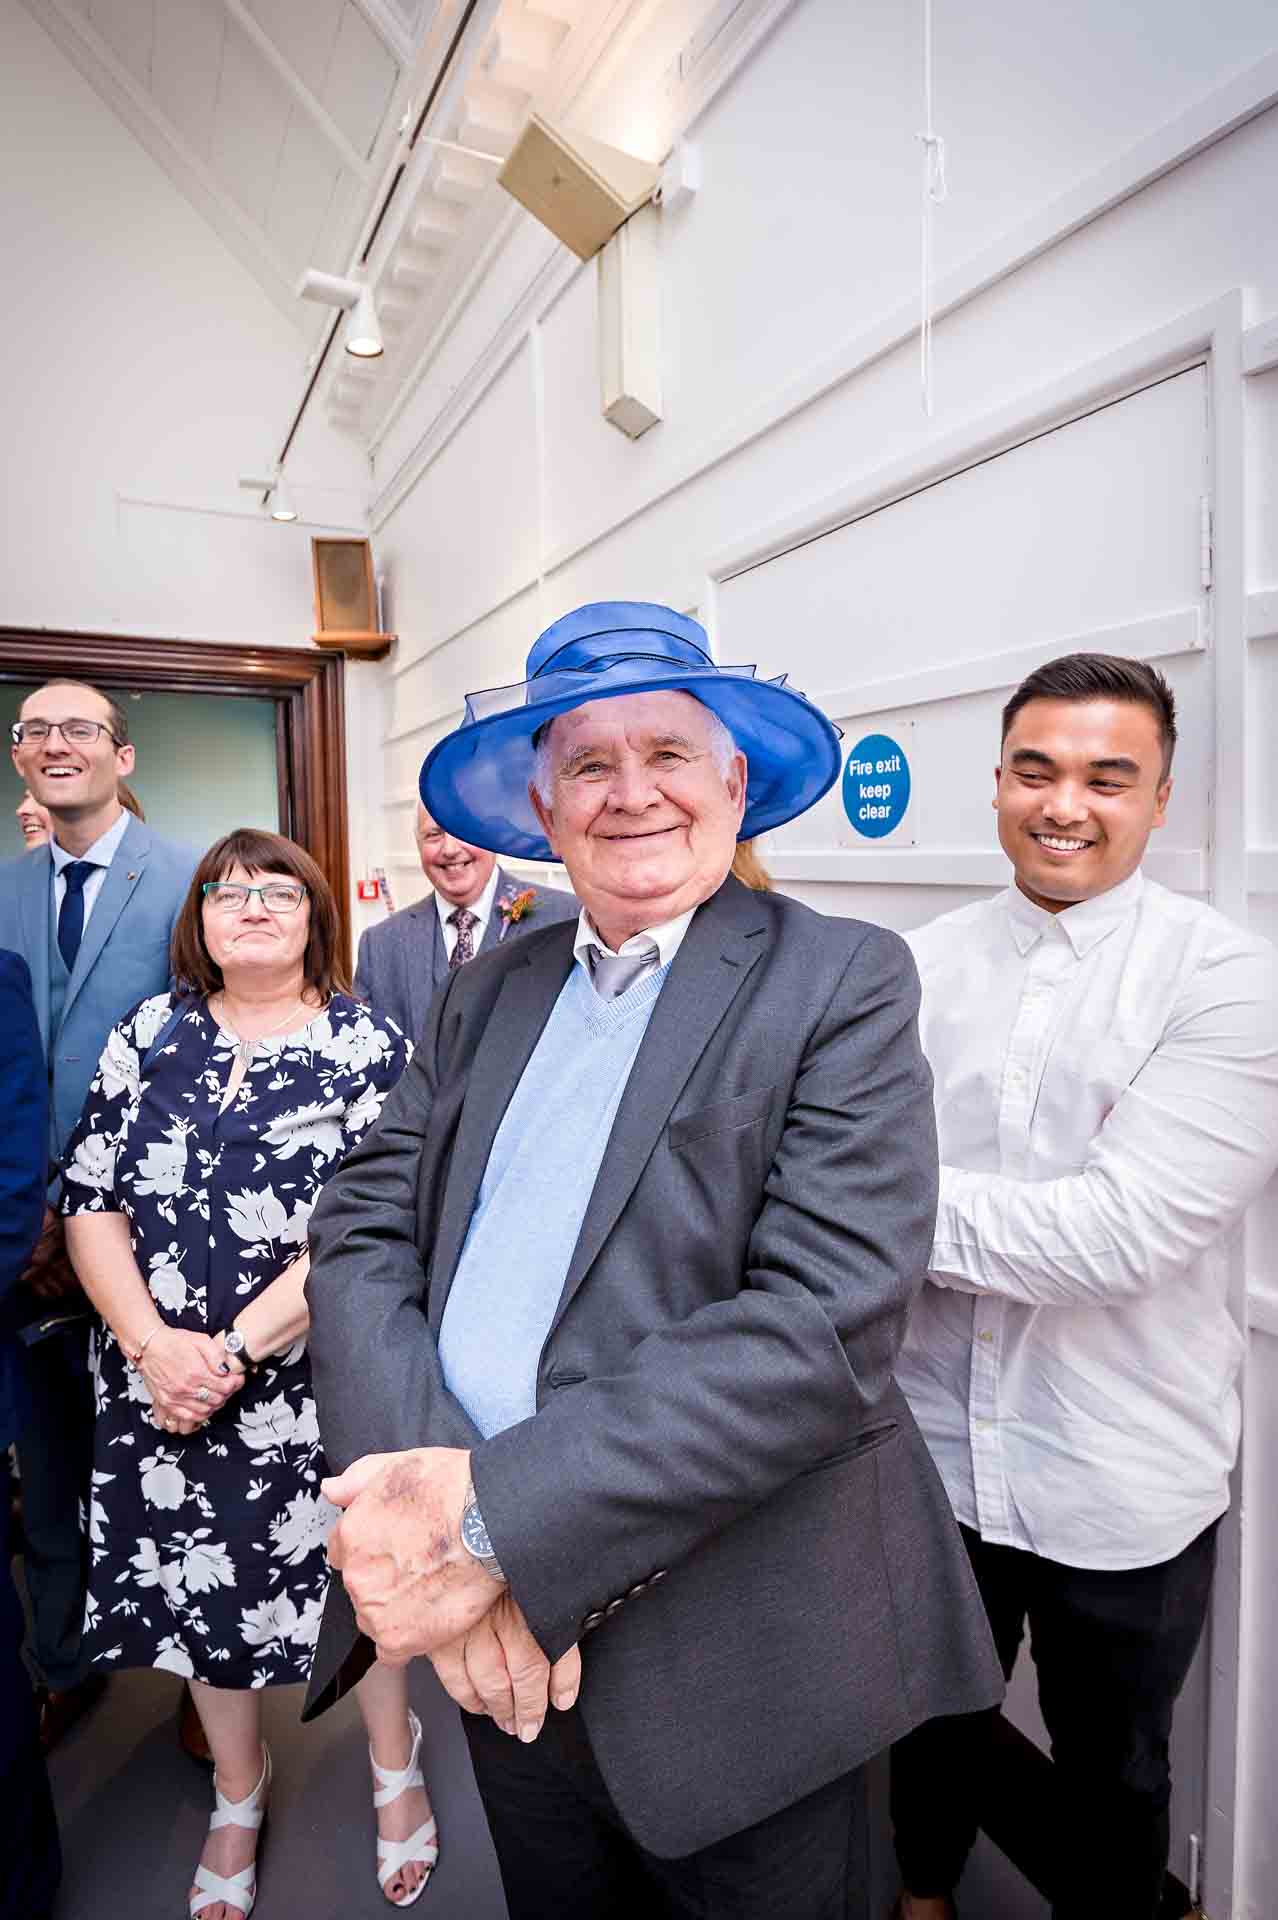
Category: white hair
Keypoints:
(719, 743)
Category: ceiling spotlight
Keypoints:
(282, 507)
(363, 335)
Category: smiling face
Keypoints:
(641, 812)
(74, 782)
(253, 945)
(458, 872)
(37, 828)
(1079, 791)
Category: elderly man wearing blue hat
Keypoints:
(604, 1313)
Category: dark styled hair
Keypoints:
(119, 719)
(1101, 676)
(259, 852)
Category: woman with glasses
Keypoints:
(214, 1120)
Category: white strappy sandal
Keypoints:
(239, 1889)
(422, 1846)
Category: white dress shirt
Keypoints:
(481, 908)
(1107, 1105)
(658, 944)
(102, 853)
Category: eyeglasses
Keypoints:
(76, 733)
(277, 896)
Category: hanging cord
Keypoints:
(935, 190)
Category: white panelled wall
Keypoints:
(1104, 265)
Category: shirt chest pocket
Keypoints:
(1087, 1072)
(707, 1127)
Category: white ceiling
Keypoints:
(284, 122)
(268, 112)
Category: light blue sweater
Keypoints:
(533, 1198)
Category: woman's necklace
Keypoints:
(246, 1049)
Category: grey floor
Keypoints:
(133, 1811)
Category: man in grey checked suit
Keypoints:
(404, 962)
(604, 1312)
(91, 914)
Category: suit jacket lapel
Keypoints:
(420, 980)
(35, 914)
(719, 949)
(506, 883)
(511, 1031)
(122, 877)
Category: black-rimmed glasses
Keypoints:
(277, 896)
(76, 733)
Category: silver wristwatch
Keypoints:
(474, 1537)
(233, 1341)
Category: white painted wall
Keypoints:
(144, 370)
(1110, 224)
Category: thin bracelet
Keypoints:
(135, 1359)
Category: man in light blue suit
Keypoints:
(91, 914)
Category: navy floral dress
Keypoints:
(207, 1550)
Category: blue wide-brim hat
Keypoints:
(475, 781)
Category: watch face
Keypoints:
(475, 1534)
(234, 1342)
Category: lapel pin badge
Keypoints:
(130, 876)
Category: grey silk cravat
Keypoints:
(615, 973)
(463, 919)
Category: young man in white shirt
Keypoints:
(1106, 1063)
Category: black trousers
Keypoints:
(30, 1859)
(1111, 1651)
(565, 1855)
(55, 1453)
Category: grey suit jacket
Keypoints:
(403, 962)
(123, 957)
(722, 1494)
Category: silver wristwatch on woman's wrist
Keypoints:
(474, 1537)
(233, 1341)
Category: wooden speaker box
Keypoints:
(346, 599)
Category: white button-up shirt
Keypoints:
(658, 944)
(1107, 1105)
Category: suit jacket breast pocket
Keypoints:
(707, 1125)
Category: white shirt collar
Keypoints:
(667, 938)
(1082, 925)
(481, 908)
(103, 850)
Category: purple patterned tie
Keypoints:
(463, 919)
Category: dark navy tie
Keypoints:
(71, 917)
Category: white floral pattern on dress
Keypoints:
(207, 1550)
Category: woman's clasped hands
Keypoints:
(184, 1374)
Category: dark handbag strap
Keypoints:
(165, 1034)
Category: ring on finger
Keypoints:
(204, 1395)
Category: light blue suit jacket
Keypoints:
(123, 957)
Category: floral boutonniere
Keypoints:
(515, 906)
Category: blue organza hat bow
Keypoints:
(475, 781)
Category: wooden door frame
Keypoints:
(307, 686)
